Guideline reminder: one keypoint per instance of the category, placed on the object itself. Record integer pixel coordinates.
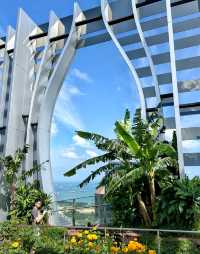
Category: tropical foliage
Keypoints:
(19, 187)
(136, 160)
(179, 202)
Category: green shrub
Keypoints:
(43, 240)
(179, 246)
(179, 204)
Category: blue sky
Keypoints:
(96, 91)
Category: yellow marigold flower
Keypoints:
(136, 246)
(95, 237)
(15, 245)
(73, 240)
(86, 232)
(80, 242)
(79, 235)
(92, 237)
(151, 252)
(125, 249)
(90, 244)
(114, 249)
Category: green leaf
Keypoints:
(106, 168)
(127, 138)
(89, 162)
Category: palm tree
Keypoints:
(137, 153)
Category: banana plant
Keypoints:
(137, 152)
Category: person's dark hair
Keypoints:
(38, 200)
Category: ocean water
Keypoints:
(66, 191)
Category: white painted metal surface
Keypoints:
(21, 92)
(49, 100)
(175, 87)
(147, 50)
(55, 28)
(107, 16)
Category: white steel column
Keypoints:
(47, 107)
(107, 16)
(4, 106)
(146, 49)
(55, 28)
(175, 87)
(10, 41)
(20, 85)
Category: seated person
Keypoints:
(37, 214)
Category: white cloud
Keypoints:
(81, 75)
(54, 128)
(73, 90)
(81, 142)
(191, 146)
(91, 153)
(65, 111)
(70, 153)
(169, 134)
(191, 85)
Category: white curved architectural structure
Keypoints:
(175, 87)
(159, 41)
(107, 16)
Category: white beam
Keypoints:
(107, 16)
(55, 28)
(147, 50)
(20, 95)
(47, 107)
(175, 87)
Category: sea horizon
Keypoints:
(67, 191)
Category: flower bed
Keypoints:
(26, 240)
(92, 242)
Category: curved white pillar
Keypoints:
(48, 103)
(146, 49)
(41, 82)
(107, 14)
(4, 106)
(21, 90)
(175, 88)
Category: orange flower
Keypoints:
(90, 245)
(114, 249)
(151, 252)
(125, 250)
(136, 246)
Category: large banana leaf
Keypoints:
(110, 167)
(101, 142)
(132, 176)
(127, 138)
(166, 149)
(101, 158)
